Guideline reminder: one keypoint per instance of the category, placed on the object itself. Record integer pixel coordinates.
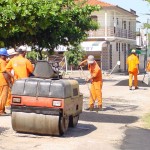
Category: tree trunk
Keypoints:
(71, 68)
(40, 55)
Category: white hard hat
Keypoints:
(133, 51)
(90, 59)
(12, 51)
(22, 49)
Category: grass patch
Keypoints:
(146, 120)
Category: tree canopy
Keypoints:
(45, 23)
(74, 55)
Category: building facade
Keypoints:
(114, 38)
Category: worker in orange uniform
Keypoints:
(21, 66)
(96, 82)
(133, 62)
(3, 80)
(12, 53)
(148, 66)
(148, 70)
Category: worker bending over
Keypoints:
(96, 82)
(133, 62)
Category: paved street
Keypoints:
(118, 127)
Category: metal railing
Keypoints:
(115, 32)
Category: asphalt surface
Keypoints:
(118, 127)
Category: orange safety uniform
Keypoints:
(132, 62)
(3, 87)
(148, 66)
(8, 102)
(22, 67)
(96, 84)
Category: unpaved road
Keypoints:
(118, 127)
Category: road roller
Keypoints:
(45, 104)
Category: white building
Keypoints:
(115, 37)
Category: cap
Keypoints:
(133, 51)
(90, 59)
(12, 51)
(22, 49)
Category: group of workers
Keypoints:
(13, 66)
(18, 67)
(97, 82)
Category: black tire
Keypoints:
(63, 125)
(148, 81)
(73, 121)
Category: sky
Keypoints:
(140, 6)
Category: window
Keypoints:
(129, 25)
(119, 51)
(124, 25)
(110, 62)
(94, 18)
(116, 46)
(128, 48)
(122, 46)
(117, 20)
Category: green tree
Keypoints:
(45, 23)
(74, 55)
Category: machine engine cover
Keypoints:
(36, 87)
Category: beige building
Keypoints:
(116, 35)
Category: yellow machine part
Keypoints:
(74, 88)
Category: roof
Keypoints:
(107, 5)
(99, 2)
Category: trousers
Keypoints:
(131, 75)
(3, 97)
(96, 93)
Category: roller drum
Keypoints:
(36, 123)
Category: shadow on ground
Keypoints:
(114, 105)
(2, 129)
(126, 83)
(136, 139)
(107, 118)
(109, 80)
(80, 130)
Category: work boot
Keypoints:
(90, 108)
(136, 87)
(100, 108)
